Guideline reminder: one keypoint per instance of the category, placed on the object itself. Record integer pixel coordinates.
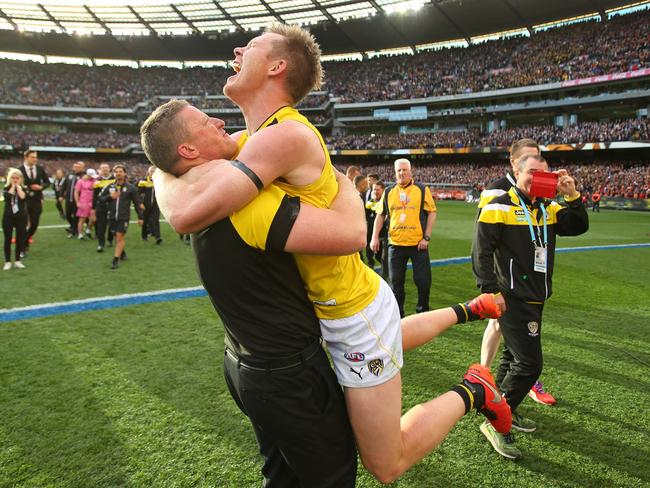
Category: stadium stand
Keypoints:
(571, 52)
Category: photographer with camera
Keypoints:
(513, 254)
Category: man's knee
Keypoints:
(529, 368)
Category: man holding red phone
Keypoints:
(513, 254)
(492, 335)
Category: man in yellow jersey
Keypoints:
(359, 317)
(412, 212)
(274, 365)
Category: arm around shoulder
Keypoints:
(337, 231)
(203, 195)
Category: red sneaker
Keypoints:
(482, 307)
(538, 394)
(30, 240)
(494, 407)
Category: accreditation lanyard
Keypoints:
(540, 250)
(404, 200)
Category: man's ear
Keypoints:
(279, 66)
(187, 151)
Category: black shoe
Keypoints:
(115, 263)
(100, 248)
(123, 256)
(159, 241)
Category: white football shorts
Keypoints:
(366, 348)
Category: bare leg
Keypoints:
(119, 246)
(490, 344)
(420, 328)
(80, 226)
(388, 444)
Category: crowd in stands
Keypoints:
(109, 138)
(608, 131)
(611, 178)
(136, 168)
(570, 52)
(619, 130)
(615, 179)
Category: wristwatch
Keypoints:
(427, 238)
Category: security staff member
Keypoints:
(151, 211)
(411, 211)
(36, 180)
(513, 253)
(101, 207)
(119, 196)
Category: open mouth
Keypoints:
(236, 66)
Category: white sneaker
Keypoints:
(19, 265)
(7, 266)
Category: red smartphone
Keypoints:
(544, 184)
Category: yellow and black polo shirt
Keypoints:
(406, 208)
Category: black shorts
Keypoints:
(119, 226)
(300, 421)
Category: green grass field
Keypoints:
(134, 396)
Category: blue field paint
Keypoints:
(467, 259)
(102, 303)
(99, 303)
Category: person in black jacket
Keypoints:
(492, 334)
(78, 170)
(101, 208)
(119, 196)
(381, 256)
(57, 184)
(513, 254)
(151, 211)
(36, 180)
(14, 216)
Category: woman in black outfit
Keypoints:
(14, 217)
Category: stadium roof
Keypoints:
(210, 29)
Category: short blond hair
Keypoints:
(161, 134)
(10, 173)
(304, 70)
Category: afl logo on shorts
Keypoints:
(376, 366)
(533, 327)
(354, 357)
